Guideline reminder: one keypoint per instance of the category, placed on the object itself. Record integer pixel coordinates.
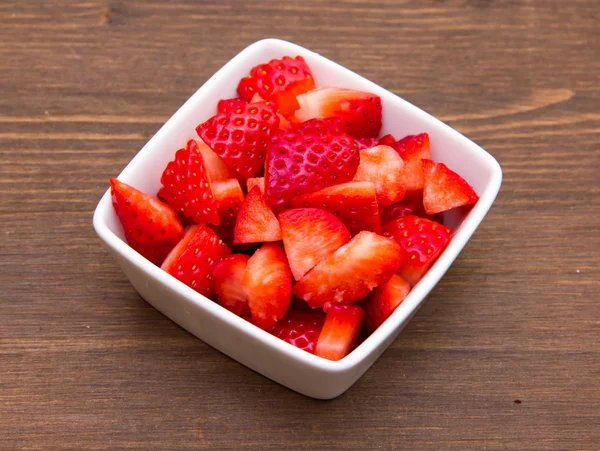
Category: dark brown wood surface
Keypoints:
(504, 355)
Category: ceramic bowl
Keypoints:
(313, 376)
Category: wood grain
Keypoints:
(85, 363)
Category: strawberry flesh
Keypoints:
(383, 300)
(300, 328)
(444, 189)
(227, 284)
(256, 222)
(383, 167)
(340, 331)
(229, 198)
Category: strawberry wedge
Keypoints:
(444, 189)
(340, 331)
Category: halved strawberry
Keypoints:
(355, 203)
(186, 185)
(309, 236)
(421, 241)
(194, 258)
(279, 80)
(229, 198)
(387, 140)
(300, 328)
(256, 181)
(268, 285)
(216, 169)
(256, 222)
(242, 136)
(340, 331)
(407, 207)
(227, 284)
(284, 123)
(351, 272)
(230, 105)
(383, 167)
(301, 163)
(151, 227)
(333, 125)
(413, 149)
(384, 299)
(359, 111)
(445, 189)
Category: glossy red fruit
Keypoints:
(230, 105)
(279, 80)
(383, 300)
(309, 236)
(229, 198)
(335, 126)
(383, 167)
(421, 241)
(444, 189)
(256, 222)
(300, 163)
(194, 258)
(387, 140)
(268, 285)
(227, 284)
(300, 328)
(151, 227)
(407, 207)
(186, 186)
(256, 181)
(216, 169)
(340, 331)
(413, 149)
(351, 272)
(241, 137)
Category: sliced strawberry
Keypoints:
(413, 149)
(387, 140)
(231, 105)
(284, 123)
(268, 285)
(445, 189)
(227, 284)
(186, 186)
(351, 272)
(300, 328)
(309, 236)
(151, 227)
(229, 198)
(421, 240)
(333, 125)
(407, 207)
(300, 163)
(359, 111)
(355, 203)
(256, 181)
(383, 167)
(241, 137)
(279, 80)
(216, 169)
(384, 299)
(194, 258)
(367, 143)
(340, 331)
(256, 222)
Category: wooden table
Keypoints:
(504, 355)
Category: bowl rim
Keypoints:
(402, 313)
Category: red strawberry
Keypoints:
(229, 198)
(280, 80)
(340, 331)
(268, 285)
(421, 240)
(230, 105)
(216, 169)
(351, 272)
(186, 185)
(301, 163)
(444, 189)
(284, 123)
(413, 149)
(256, 181)
(193, 260)
(355, 203)
(300, 328)
(227, 283)
(387, 140)
(151, 227)
(384, 299)
(333, 125)
(309, 236)
(367, 143)
(359, 111)
(407, 207)
(256, 222)
(383, 167)
(241, 137)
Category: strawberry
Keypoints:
(407, 207)
(227, 284)
(421, 241)
(383, 300)
(367, 143)
(387, 140)
(268, 285)
(241, 137)
(383, 167)
(359, 111)
(309, 236)
(340, 331)
(284, 123)
(300, 328)
(256, 222)
(229, 198)
(351, 272)
(413, 149)
(194, 258)
(300, 163)
(333, 125)
(279, 80)
(444, 189)
(186, 185)
(151, 227)
(216, 169)
(256, 181)
(355, 203)
(226, 106)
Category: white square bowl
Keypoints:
(303, 372)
